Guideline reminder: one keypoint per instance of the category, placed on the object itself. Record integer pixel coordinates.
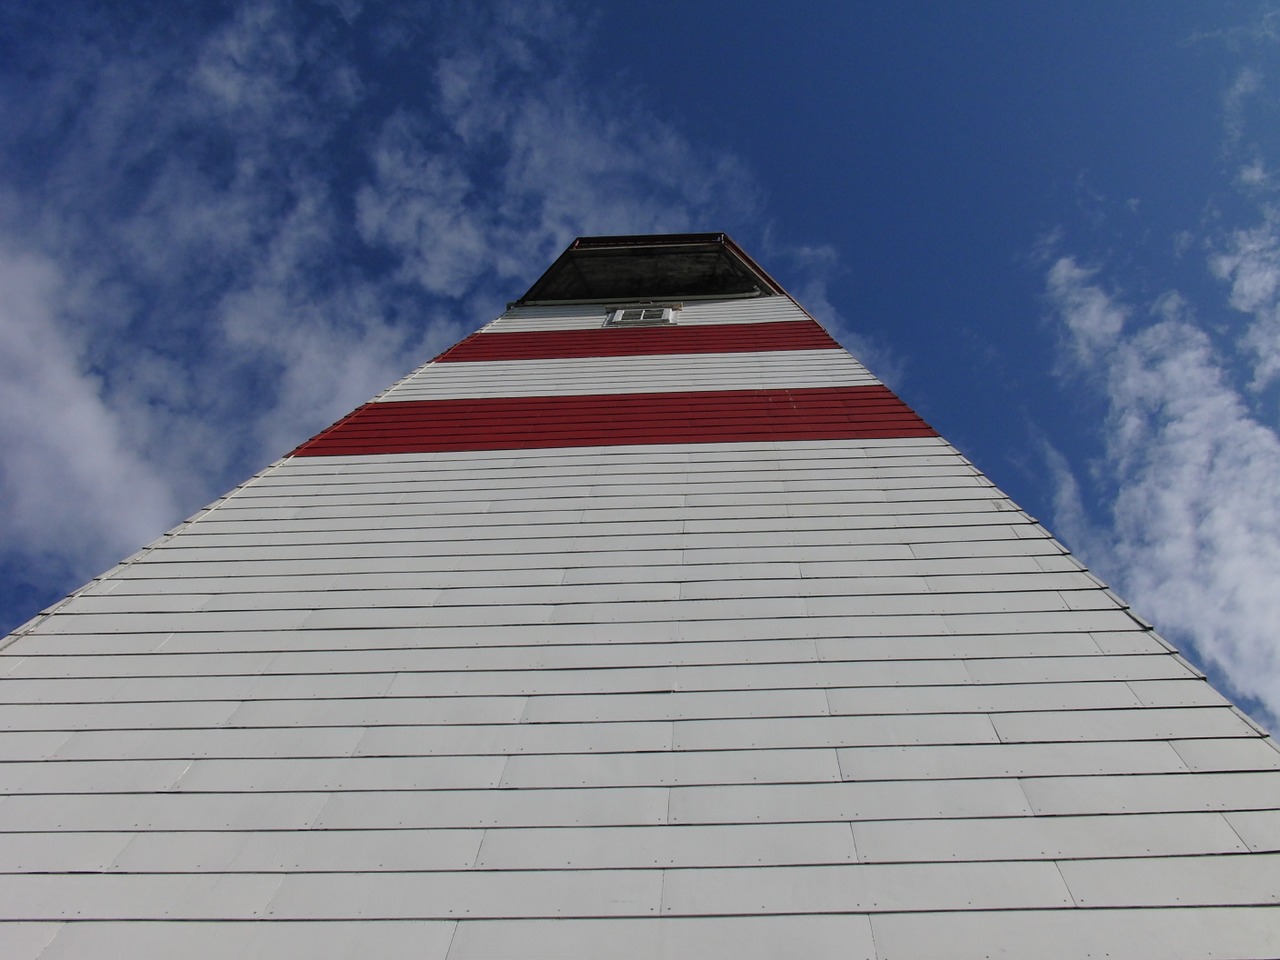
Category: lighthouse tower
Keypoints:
(643, 623)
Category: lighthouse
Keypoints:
(644, 622)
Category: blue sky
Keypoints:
(1054, 228)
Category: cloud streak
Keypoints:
(238, 227)
(1190, 532)
(1182, 509)
(66, 454)
(1250, 263)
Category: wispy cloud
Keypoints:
(236, 229)
(1246, 84)
(1250, 262)
(1190, 524)
(1182, 509)
(811, 268)
(67, 455)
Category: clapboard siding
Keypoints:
(723, 699)
(721, 416)
(662, 340)
(617, 375)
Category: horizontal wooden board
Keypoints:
(621, 341)
(588, 421)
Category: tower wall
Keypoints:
(688, 640)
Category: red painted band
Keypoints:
(639, 341)
(713, 416)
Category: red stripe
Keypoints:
(711, 416)
(638, 341)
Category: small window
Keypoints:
(640, 317)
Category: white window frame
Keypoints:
(641, 315)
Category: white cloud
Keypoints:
(522, 158)
(422, 205)
(1254, 174)
(1192, 531)
(1247, 83)
(1250, 262)
(75, 488)
(1095, 320)
(237, 234)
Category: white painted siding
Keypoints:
(729, 700)
(604, 375)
